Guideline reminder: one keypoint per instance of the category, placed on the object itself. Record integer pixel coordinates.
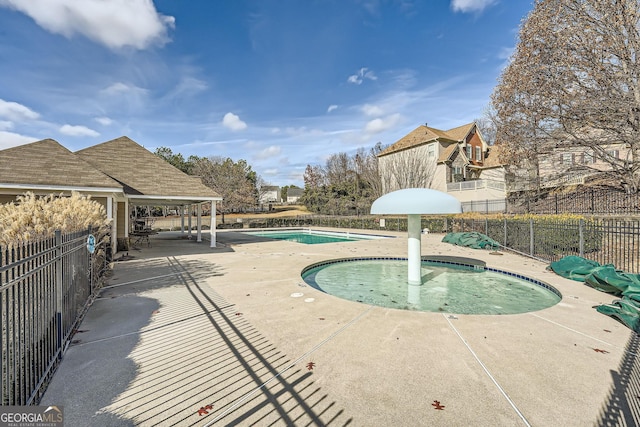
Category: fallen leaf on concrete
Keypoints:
(436, 405)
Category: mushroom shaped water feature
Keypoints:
(415, 202)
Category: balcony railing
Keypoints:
(476, 184)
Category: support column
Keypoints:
(126, 219)
(113, 219)
(189, 222)
(414, 250)
(199, 223)
(182, 219)
(212, 226)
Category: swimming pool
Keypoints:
(459, 286)
(312, 237)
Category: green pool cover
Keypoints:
(606, 278)
(471, 239)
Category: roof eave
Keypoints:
(49, 187)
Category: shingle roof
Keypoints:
(142, 172)
(423, 134)
(460, 132)
(447, 153)
(48, 163)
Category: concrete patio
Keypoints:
(189, 335)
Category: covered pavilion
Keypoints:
(120, 174)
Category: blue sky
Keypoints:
(279, 83)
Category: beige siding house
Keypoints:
(570, 165)
(455, 161)
(119, 174)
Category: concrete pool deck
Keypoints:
(185, 334)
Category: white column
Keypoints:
(109, 207)
(212, 226)
(414, 250)
(182, 219)
(189, 221)
(114, 225)
(199, 223)
(126, 218)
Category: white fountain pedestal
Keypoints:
(414, 250)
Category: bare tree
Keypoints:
(487, 126)
(234, 181)
(339, 168)
(574, 81)
(367, 169)
(406, 169)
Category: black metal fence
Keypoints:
(607, 241)
(45, 288)
(590, 201)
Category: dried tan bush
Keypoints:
(33, 218)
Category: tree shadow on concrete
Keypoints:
(95, 368)
(201, 363)
(622, 407)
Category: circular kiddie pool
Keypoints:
(449, 284)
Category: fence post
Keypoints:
(58, 264)
(89, 259)
(486, 226)
(531, 249)
(581, 234)
(505, 232)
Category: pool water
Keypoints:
(445, 288)
(310, 237)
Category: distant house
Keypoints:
(561, 159)
(294, 194)
(270, 194)
(120, 174)
(455, 161)
(564, 164)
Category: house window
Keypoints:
(468, 151)
(458, 174)
(613, 153)
(567, 158)
(478, 154)
(587, 158)
(431, 151)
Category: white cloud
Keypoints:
(104, 121)
(77, 131)
(303, 131)
(465, 6)
(363, 73)
(233, 122)
(119, 88)
(382, 124)
(191, 85)
(331, 108)
(188, 86)
(372, 110)
(268, 152)
(10, 139)
(114, 23)
(119, 96)
(5, 125)
(16, 112)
